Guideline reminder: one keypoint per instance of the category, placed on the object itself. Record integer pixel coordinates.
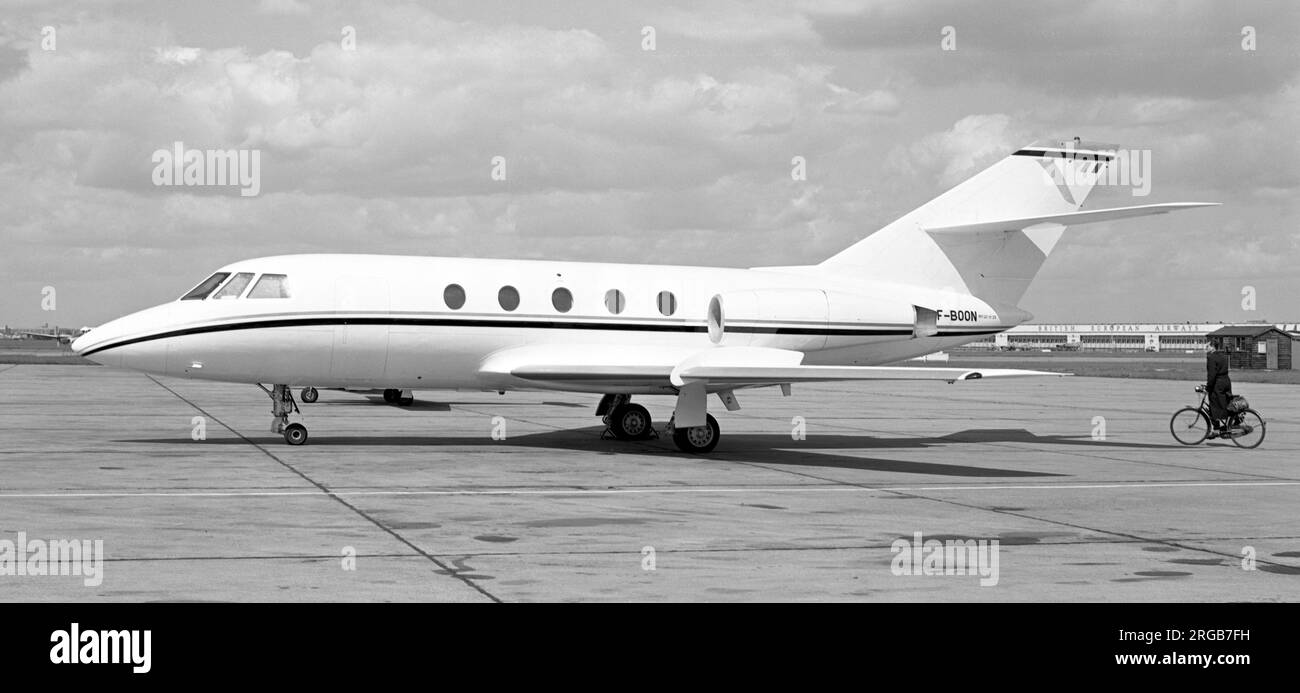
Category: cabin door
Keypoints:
(360, 330)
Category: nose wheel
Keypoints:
(282, 407)
(295, 434)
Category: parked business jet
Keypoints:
(947, 273)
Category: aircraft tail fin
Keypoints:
(989, 235)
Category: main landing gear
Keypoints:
(627, 421)
(624, 420)
(697, 439)
(283, 405)
(401, 397)
(309, 395)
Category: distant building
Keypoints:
(1176, 337)
(1254, 346)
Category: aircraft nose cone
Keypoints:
(80, 343)
(88, 346)
(129, 341)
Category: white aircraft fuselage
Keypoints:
(383, 322)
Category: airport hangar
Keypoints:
(1176, 337)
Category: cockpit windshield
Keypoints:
(270, 286)
(235, 287)
(201, 291)
(266, 286)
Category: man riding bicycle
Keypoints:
(1218, 386)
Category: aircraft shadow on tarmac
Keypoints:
(818, 450)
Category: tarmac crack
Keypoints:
(447, 569)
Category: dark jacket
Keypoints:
(1216, 372)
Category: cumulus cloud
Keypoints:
(679, 155)
(176, 55)
(1164, 47)
(971, 144)
(732, 21)
(391, 146)
(397, 117)
(847, 101)
(290, 7)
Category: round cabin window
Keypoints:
(454, 296)
(508, 297)
(614, 301)
(562, 299)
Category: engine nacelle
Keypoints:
(810, 319)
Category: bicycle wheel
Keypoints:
(1189, 426)
(1250, 432)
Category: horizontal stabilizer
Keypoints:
(1072, 218)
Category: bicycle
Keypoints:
(1191, 425)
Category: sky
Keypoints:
(378, 128)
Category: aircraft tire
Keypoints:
(295, 434)
(698, 440)
(630, 422)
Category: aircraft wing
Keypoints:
(753, 366)
(716, 369)
(750, 376)
(631, 371)
(582, 367)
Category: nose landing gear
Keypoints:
(282, 406)
(295, 434)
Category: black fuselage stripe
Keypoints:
(520, 324)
